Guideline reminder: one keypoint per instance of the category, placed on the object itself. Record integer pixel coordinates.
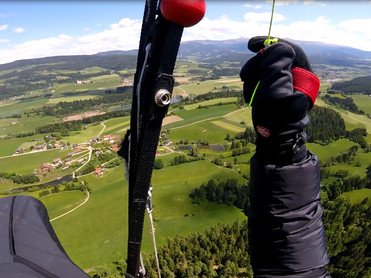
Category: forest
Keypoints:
(358, 85)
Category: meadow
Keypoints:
(23, 124)
(203, 87)
(25, 164)
(363, 102)
(9, 146)
(96, 233)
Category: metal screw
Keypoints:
(162, 97)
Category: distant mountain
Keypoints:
(236, 50)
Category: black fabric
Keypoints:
(29, 246)
(286, 234)
(139, 148)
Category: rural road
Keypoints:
(75, 208)
(104, 128)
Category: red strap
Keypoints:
(306, 82)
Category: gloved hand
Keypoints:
(286, 91)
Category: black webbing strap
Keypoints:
(140, 144)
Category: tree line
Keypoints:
(224, 192)
(358, 85)
(66, 108)
(344, 102)
(66, 127)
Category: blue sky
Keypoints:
(31, 29)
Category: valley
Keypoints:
(63, 119)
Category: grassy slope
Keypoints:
(84, 135)
(363, 102)
(357, 196)
(96, 233)
(62, 202)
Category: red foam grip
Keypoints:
(183, 12)
(306, 82)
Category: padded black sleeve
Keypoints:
(29, 246)
(286, 234)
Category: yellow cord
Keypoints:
(268, 41)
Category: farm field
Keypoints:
(324, 152)
(9, 146)
(203, 87)
(25, 164)
(116, 125)
(21, 106)
(23, 125)
(210, 102)
(84, 135)
(363, 102)
(197, 115)
(95, 83)
(357, 196)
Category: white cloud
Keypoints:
(3, 27)
(353, 33)
(256, 6)
(124, 35)
(19, 30)
(263, 17)
(4, 40)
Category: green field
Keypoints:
(9, 146)
(206, 130)
(363, 102)
(357, 196)
(21, 106)
(24, 124)
(332, 149)
(203, 87)
(198, 115)
(84, 135)
(23, 164)
(117, 125)
(101, 223)
(210, 102)
(96, 83)
(62, 202)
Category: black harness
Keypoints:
(153, 86)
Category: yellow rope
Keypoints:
(268, 41)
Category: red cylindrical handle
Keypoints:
(183, 12)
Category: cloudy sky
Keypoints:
(30, 29)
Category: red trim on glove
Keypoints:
(306, 82)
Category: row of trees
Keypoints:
(66, 127)
(20, 179)
(359, 85)
(66, 108)
(344, 182)
(224, 192)
(344, 157)
(344, 102)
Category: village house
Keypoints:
(57, 162)
(98, 171)
(46, 168)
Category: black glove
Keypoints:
(286, 90)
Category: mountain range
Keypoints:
(214, 52)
